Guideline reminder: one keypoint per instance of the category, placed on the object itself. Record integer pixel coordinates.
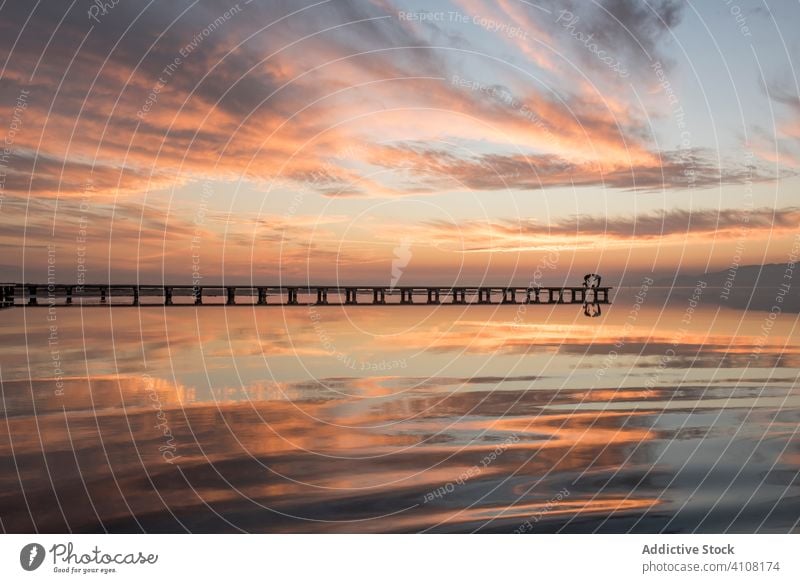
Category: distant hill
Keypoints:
(751, 286)
(746, 276)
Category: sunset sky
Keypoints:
(455, 141)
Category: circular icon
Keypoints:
(31, 556)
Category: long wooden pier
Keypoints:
(36, 294)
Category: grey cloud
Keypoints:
(631, 28)
(683, 169)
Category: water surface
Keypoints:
(671, 416)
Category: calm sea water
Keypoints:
(657, 416)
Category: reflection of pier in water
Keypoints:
(590, 295)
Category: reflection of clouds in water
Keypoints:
(366, 458)
(278, 439)
(424, 338)
(354, 445)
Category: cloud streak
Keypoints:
(584, 231)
